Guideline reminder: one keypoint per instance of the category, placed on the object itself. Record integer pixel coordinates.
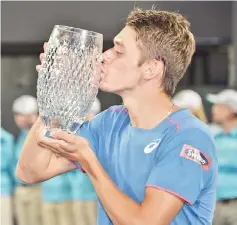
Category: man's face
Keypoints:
(121, 70)
(221, 113)
(25, 121)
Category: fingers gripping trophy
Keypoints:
(68, 79)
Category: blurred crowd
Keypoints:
(70, 198)
(63, 200)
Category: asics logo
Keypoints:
(152, 146)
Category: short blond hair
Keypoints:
(164, 36)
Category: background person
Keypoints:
(7, 179)
(27, 197)
(191, 100)
(224, 113)
(56, 201)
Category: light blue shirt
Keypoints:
(226, 144)
(17, 152)
(82, 188)
(177, 156)
(7, 160)
(57, 189)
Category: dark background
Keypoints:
(26, 25)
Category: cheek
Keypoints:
(122, 66)
(19, 119)
(216, 110)
(20, 123)
(213, 111)
(120, 73)
(124, 76)
(34, 118)
(219, 113)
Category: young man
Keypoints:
(27, 197)
(224, 112)
(149, 161)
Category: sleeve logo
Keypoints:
(196, 155)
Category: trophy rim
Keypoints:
(78, 30)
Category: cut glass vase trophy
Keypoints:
(68, 80)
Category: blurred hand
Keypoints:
(42, 56)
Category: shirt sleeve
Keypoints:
(184, 165)
(91, 130)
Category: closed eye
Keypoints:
(118, 53)
(118, 49)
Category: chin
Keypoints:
(110, 90)
(106, 87)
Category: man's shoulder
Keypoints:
(114, 112)
(117, 110)
(107, 119)
(191, 131)
(190, 123)
(193, 142)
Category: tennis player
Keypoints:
(150, 162)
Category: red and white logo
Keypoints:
(196, 155)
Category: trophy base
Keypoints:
(52, 124)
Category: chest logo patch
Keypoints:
(152, 146)
(196, 155)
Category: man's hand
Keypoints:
(69, 146)
(42, 56)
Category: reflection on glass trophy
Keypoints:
(68, 80)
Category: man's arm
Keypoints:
(158, 207)
(36, 163)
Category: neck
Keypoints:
(147, 111)
(228, 125)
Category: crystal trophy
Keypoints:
(68, 80)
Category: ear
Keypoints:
(153, 69)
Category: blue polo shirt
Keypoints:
(57, 189)
(177, 156)
(7, 160)
(81, 186)
(17, 152)
(226, 145)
